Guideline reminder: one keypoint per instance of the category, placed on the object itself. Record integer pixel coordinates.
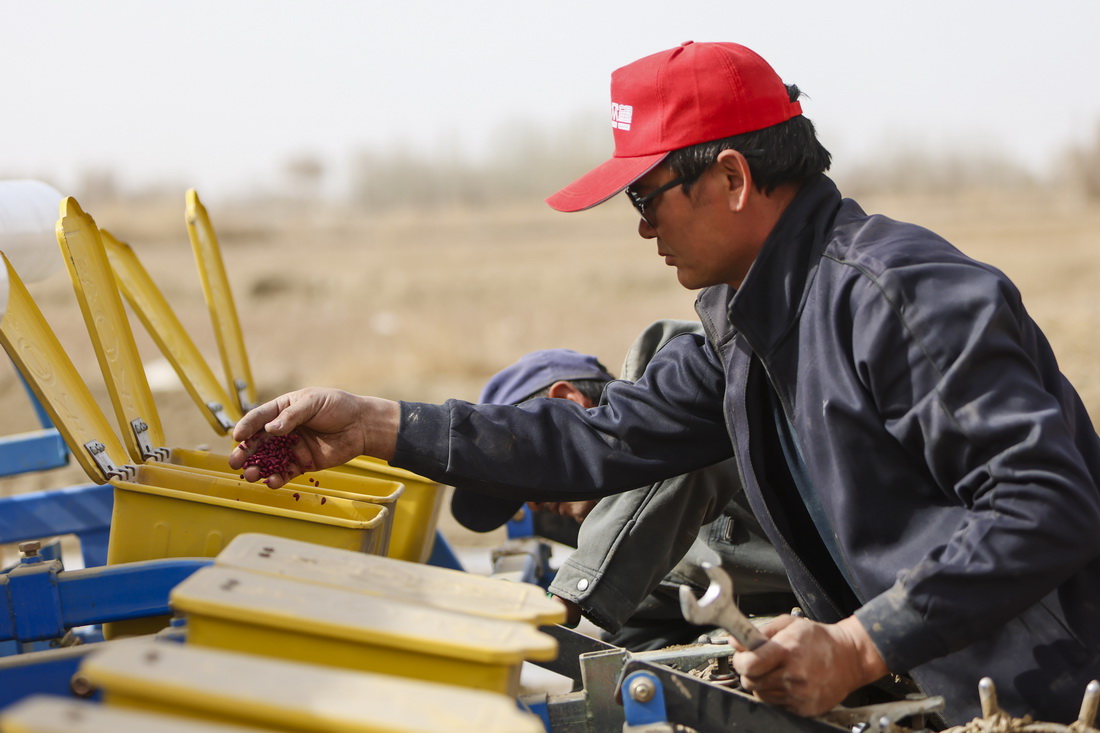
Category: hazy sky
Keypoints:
(218, 94)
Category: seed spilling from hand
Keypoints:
(273, 453)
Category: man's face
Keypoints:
(698, 233)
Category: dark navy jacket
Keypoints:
(903, 433)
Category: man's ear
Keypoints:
(737, 178)
(563, 390)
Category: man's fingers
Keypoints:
(255, 420)
(760, 662)
(777, 624)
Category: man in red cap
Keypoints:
(901, 427)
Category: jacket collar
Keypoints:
(767, 304)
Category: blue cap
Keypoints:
(512, 385)
(537, 371)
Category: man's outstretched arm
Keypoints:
(332, 426)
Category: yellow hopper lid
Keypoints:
(49, 714)
(219, 301)
(295, 695)
(152, 308)
(39, 357)
(426, 585)
(288, 605)
(101, 304)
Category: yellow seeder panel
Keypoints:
(425, 585)
(219, 301)
(50, 714)
(40, 358)
(415, 523)
(291, 696)
(166, 330)
(98, 296)
(165, 512)
(263, 614)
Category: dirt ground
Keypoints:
(427, 305)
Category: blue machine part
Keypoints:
(38, 450)
(42, 673)
(643, 700)
(84, 511)
(43, 601)
(443, 556)
(523, 526)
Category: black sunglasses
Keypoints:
(640, 202)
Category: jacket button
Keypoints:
(582, 584)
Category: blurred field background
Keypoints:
(430, 277)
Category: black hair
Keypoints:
(590, 388)
(785, 153)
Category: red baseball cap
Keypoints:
(691, 94)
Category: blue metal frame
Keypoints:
(644, 712)
(42, 673)
(43, 601)
(443, 556)
(40, 450)
(84, 511)
(37, 450)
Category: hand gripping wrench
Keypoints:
(717, 608)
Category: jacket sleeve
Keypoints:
(668, 423)
(631, 541)
(978, 399)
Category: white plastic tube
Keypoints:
(28, 222)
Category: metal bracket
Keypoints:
(643, 703)
(242, 394)
(141, 434)
(98, 452)
(43, 600)
(218, 411)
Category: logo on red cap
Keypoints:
(621, 116)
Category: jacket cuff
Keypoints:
(423, 438)
(600, 601)
(899, 631)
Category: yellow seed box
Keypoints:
(247, 689)
(50, 714)
(415, 521)
(263, 614)
(425, 585)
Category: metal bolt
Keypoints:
(30, 549)
(1089, 704)
(642, 689)
(81, 686)
(987, 691)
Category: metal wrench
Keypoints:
(717, 608)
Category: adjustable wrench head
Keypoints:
(708, 609)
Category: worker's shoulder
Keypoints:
(885, 250)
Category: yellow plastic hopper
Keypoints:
(262, 614)
(211, 684)
(425, 585)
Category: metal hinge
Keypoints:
(218, 411)
(242, 394)
(98, 452)
(148, 452)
